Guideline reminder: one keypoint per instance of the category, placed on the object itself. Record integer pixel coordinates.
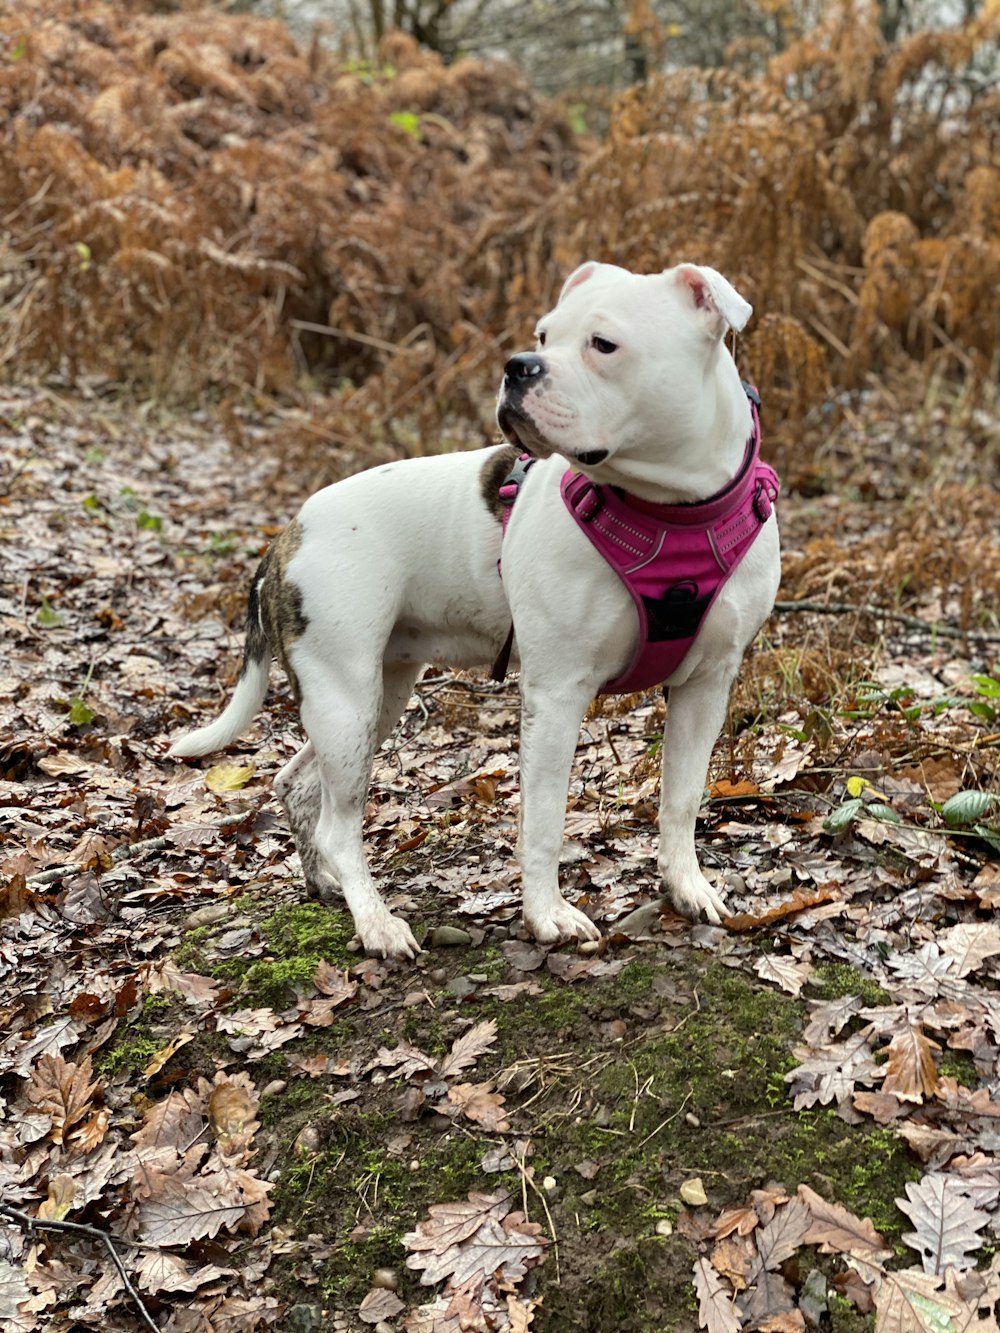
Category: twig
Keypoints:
(911, 622)
(663, 1123)
(81, 1229)
(527, 1180)
(127, 852)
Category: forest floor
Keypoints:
(684, 1128)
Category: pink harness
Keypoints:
(673, 559)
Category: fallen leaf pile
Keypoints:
(741, 1284)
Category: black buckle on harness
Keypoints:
(514, 480)
(751, 392)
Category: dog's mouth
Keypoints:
(520, 431)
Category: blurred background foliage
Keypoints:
(366, 218)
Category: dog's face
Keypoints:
(617, 364)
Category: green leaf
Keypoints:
(151, 521)
(79, 714)
(407, 121)
(877, 810)
(20, 48)
(965, 807)
(47, 618)
(987, 686)
(988, 835)
(843, 816)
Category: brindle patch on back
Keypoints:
(275, 618)
(491, 476)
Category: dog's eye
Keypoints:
(540, 335)
(603, 345)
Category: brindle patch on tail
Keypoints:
(275, 618)
(491, 476)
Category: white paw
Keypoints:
(388, 936)
(695, 897)
(563, 922)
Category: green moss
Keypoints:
(190, 954)
(960, 1066)
(635, 980)
(831, 981)
(313, 930)
(299, 938)
(355, 1180)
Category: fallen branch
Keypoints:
(911, 622)
(81, 1229)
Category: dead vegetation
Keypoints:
(195, 203)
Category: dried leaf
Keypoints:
(835, 1230)
(62, 1191)
(784, 1234)
(790, 975)
(911, 1073)
(468, 1048)
(478, 1102)
(947, 1222)
(63, 1091)
(228, 777)
(716, 1311)
(477, 1235)
(380, 1304)
(798, 902)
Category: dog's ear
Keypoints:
(714, 297)
(578, 275)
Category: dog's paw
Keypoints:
(564, 922)
(389, 937)
(696, 898)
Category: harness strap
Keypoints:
(507, 492)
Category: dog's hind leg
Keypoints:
(344, 729)
(297, 785)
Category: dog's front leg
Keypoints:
(550, 725)
(695, 714)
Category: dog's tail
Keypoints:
(250, 689)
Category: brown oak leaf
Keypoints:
(64, 1091)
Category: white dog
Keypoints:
(397, 568)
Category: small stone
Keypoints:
(497, 933)
(480, 978)
(549, 1184)
(302, 1318)
(208, 916)
(439, 975)
(589, 1199)
(383, 1327)
(449, 937)
(588, 947)
(307, 1141)
(693, 1192)
(386, 1278)
(813, 1299)
(664, 1227)
(460, 987)
(693, 1120)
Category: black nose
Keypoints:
(524, 366)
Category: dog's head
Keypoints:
(620, 365)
